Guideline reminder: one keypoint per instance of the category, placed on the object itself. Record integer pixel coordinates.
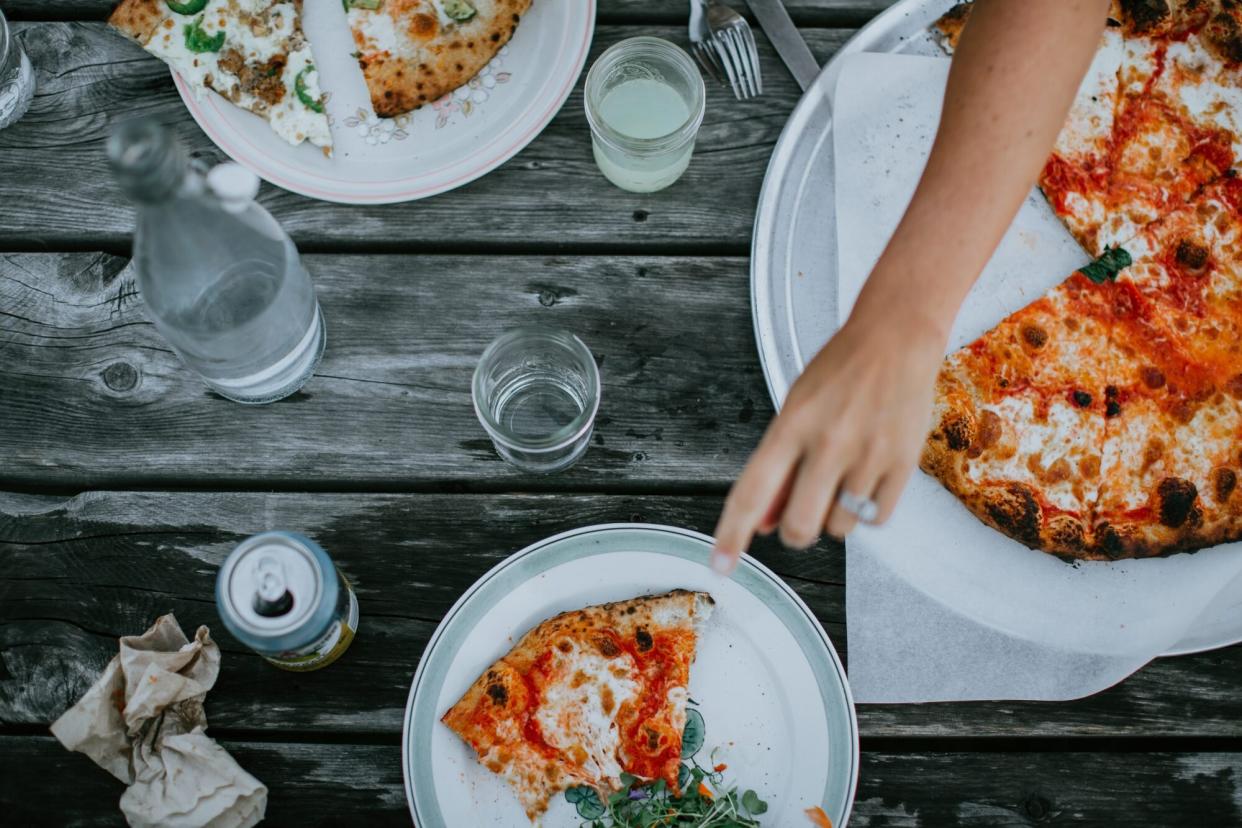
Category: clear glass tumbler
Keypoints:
(17, 84)
(536, 391)
(644, 101)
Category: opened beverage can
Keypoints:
(280, 595)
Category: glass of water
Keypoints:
(16, 77)
(536, 391)
(645, 103)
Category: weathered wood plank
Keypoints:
(93, 397)
(330, 784)
(58, 191)
(806, 12)
(80, 573)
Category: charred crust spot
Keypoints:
(1067, 532)
(1153, 377)
(606, 646)
(958, 429)
(498, 694)
(1144, 16)
(564, 646)
(1110, 541)
(1112, 408)
(1224, 481)
(1082, 399)
(1034, 336)
(495, 37)
(1111, 392)
(644, 639)
(653, 739)
(1015, 510)
(1224, 38)
(1176, 497)
(1191, 255)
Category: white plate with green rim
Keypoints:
(767, 681)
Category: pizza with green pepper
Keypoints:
(250, 51)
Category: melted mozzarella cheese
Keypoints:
(377, 30)
(578, 710)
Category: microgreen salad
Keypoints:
(705, 801)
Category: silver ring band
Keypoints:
(863, 508)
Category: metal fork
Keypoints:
(701, 42)
(735, 47)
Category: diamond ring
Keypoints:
(863, 508)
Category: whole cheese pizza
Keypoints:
(250, 51)
(586, 697)
(414, 51)
(1104, 420)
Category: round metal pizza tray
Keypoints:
(793, 269)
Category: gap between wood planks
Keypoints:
(843, 13)
(868, 744)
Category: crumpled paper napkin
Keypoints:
(143, 722)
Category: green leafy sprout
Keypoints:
(705, 801)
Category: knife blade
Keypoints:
(785, 38)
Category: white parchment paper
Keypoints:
(939, 606)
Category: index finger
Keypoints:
(749, 501)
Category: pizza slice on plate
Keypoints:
(413, 52)
(1018, 426)
(1174, 419)
(250, 51)
(586, 696)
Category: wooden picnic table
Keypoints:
(126, 483)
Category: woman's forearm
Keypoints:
(1013, 79)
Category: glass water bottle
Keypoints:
(219, 277)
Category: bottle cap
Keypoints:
(234, 185)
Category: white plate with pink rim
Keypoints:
(770, 693)
(443, 145)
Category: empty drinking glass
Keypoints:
(536, 391)
(16, 77)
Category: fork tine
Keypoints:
(735, 55)
(740, 36)
(754, 59)
(707, 60)
(726, 61)
(715, 61)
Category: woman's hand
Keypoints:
(855, 422)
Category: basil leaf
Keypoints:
(752, 803)
(186, 6)
(1110, 263)
(693, 733)
(197, 40)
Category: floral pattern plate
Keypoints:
(766, 680)
(439, 147)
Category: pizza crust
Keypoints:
(415, 57)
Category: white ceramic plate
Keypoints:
(766, 679)
(443, 145)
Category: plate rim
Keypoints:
(775, 183)
(389, 195)
(833, 659)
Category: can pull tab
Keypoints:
(273, 598)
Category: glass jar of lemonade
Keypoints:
(644, 102)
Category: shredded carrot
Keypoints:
(703, 791)
(817, 816)
(722, 766)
